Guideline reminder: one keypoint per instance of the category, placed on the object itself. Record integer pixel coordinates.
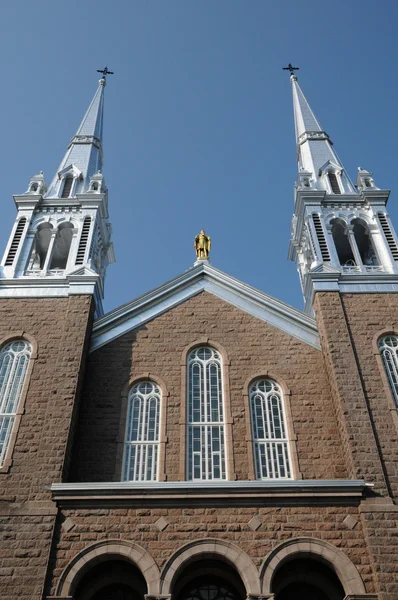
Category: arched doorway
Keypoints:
(112, 580)
(209, 579)
(306, 578)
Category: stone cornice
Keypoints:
(225, 493)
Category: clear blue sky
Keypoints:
(198, 119)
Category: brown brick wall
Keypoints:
(252, 347)
(348, 325)
(368, 315)
(60, 328)
(358, 436)
(230, 524)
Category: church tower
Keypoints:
(51, 286)
(347, 257)
(341, 235)
(60, 243)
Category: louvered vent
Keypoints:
(15, 242)
(389, 236)
(321, 238)
(83, 241)
(334, 184)
(67, 187)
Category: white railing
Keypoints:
(374, 268)
(351, 269)
(41, 273)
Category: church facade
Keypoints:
(204, 441)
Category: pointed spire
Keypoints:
(83, 157)
(304, 119)
(315, 154)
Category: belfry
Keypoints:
(204, 441)
(60, 241)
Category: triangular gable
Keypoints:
(204, 277)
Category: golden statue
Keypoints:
(202, 246)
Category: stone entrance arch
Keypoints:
(316, 549)
(210, 548)
(104, 551)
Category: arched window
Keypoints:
(62, 242)
(141, 448)
(388, 346)
(271, 447)
(14, 359)
(206, 436)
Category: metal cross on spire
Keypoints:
(105, 72)
(291, 68)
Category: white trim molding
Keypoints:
(204, 277)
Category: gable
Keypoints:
(202, 278)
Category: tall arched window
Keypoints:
(271, 447)
(206, 436)
(141, 448)
(388, 346)
(14, 359)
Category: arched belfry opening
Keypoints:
(115, 579)
(309, 578)
(208, 579)
(62, 243)
(40, 246)
(364, 243)
(342, 243)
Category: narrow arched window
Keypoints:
(14, 359)
(206, 435)
(334, 184)
(141, 448)
(388, 346)
(67, 187)
(270, 438)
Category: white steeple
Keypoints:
(315, 154)
(60, 243)
(83, 157)
(342, 238)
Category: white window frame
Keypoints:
(141, 445)
(14, 362)
(388, 347)
(206, 444)
(271, 446)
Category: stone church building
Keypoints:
(204, 441)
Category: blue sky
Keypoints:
(198, 119)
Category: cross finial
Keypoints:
(105, 72)
(291, 68)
